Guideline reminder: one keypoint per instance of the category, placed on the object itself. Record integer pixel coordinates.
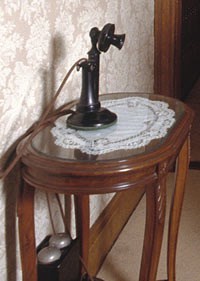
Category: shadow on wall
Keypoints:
(13, 182)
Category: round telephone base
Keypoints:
(92, 120)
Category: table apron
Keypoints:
(70, 184)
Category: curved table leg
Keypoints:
(155, 218)
(83, 224)
(27, 233)
(177, 201)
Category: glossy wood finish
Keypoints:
(110, 173)
(167, 48)
(82, 223)
(181, 174)
(155, 218)
(27, 233)
(176, 46)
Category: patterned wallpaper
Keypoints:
(40, 40)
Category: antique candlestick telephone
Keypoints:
(89, 114)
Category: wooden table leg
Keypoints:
(155, 217)
(83, 224)
(177, 201)
(27, 233)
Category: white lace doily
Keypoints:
(140, 120)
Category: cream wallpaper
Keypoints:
(40, 40)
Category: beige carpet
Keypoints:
(122, 263)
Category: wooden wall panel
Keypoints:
(177, 46)
(167, 48)
(190, 51)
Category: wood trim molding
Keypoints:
(167, 46)
(109, 225)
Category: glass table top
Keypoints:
(44, 142)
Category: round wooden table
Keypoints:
(49, 167)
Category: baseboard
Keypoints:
(109, 224)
